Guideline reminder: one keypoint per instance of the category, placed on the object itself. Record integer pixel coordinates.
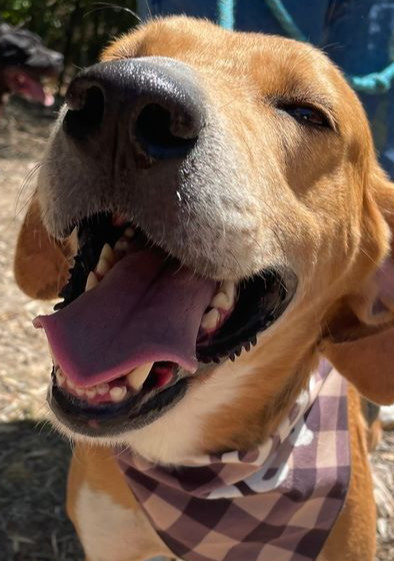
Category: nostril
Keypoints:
(79, 123)
(155, 131)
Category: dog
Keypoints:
(231, 297)
(24, 62)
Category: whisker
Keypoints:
(19, 207)
(106, 5)
(148, 8)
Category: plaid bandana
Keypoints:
(278, 501)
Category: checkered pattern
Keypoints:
(277, 502)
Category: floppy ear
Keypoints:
(360, 335)
(41, 263)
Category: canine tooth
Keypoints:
(60, 378)
(137, 377)
(91, 281)
(102, 267)
(106, 260)
(107, 254)
(73, 241)
(210, 319)
(117, 393)
(102, 389)
(91, 392)
(129, 233)
(79, 391)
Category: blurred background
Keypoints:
(78, 29)
(43, 43)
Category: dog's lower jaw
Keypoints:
(218, 412)
(180, 433)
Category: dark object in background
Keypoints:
(24, 62)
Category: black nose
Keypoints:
(156, 99)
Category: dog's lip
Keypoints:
(113, 419)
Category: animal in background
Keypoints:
(24, 62)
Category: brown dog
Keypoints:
(229, 205)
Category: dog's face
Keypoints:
(24, 61)
(233, 178)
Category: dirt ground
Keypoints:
(34, 459)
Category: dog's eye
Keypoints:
(307, 115)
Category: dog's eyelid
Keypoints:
(327, 112)
(314, 105)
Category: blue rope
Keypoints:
(285, 20)
(374, 83)
(226, 13)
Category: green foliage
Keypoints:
(77, 28)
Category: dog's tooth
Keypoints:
(221, 301)
(107, 253)
(60, 378)
(91, 392)
(210, 319)
(80, 391)
(122, 245)
(106, 260)
(129, 232)
(71, 384)
(118, 393)
(102, 267)
(137, 377)
(102, 389)
(228, 287)
(91, 281)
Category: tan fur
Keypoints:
(41, 262)
(316, 202)
(353, 536)
(96, 467)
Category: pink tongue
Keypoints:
(146, 309)
(21, 83)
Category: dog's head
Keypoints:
(233, 224)
(24, 61)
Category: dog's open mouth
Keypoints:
(27, 85)
(134, 325)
